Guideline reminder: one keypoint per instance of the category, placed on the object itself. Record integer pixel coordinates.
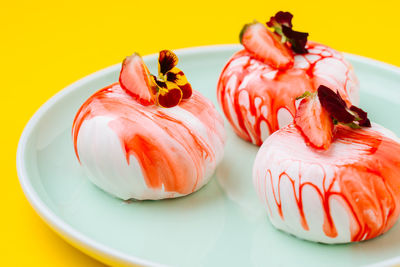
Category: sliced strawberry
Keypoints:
(266, 46)
(314, 122)
(134, 78)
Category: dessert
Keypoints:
(330, 176)
(258, 86)
(148, 137)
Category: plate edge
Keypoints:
(67, 232)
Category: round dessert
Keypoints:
(149, 137)
(258, 87)
(345, 190)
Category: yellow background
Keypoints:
(46, 45)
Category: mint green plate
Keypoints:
(223, 224)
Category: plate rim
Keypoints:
(74, 237)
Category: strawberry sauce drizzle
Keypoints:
(139, 129)
(273, 89)
(366, 180)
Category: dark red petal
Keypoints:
(161, 83)
(186, 90)
(282, 24)
(361, 113)
(170, 99)
(173, 77)
(327, 94)
(340, 99)
(343, 116)
(284, 18)
(364, 121)
(334, 104)
(167, 60)
(272, 22)
(298, 40)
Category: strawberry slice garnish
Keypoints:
(134, 79)
(319, 112)
(314, 122)
(266, 46)
(165, 90)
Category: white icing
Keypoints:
(104, 160)
(284, 117)
(285, 156)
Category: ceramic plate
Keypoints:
(223, 224)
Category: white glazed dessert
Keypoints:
(348, 192)
(259, 84)
(132, 147)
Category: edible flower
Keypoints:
(282, 25)
(334, 104)
(171, 85)
(319, 112)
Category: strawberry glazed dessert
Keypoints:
(330, 176)
(259, 84)
(148, 137)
